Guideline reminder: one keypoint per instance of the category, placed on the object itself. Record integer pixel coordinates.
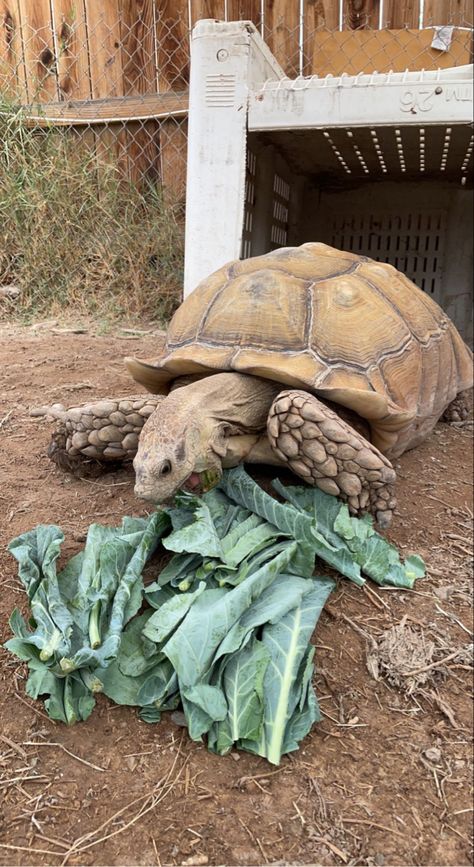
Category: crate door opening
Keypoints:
(423, 229)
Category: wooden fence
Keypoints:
(121, 67)
(55, 50)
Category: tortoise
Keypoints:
(326, 362)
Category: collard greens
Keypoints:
(227, 628)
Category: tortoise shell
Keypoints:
(342, 326)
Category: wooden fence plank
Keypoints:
(382, 50)
(320, 16)
(245, 10)
(172, 40)
(139, 145)
(457, 12)
(282, 33)
(103, 29)
(360, 14)
(137, 31)
(398, 14)
(207, 9)
(116, 110)
(173, 146)
(69, 21)
(12, 68)
(38, 50)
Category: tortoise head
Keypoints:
(179, 448)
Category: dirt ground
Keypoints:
(384, 779)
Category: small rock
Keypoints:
(197, 860)
(433, 754)
(443, 592)
(179, 718)
(235, 757)
(10, 291)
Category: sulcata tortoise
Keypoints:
(322, 361)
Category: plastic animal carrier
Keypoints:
(379, 164)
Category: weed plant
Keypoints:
(77, 237)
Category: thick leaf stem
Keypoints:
(94, 634)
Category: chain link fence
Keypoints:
(93, 128)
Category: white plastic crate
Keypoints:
(379, 164)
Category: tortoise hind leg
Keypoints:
(327, 452)
(458, 409)
(106, 430)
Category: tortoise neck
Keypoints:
(237, 399)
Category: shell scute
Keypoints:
(353, 324)
(235, 317)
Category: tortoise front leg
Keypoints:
(106, 430)
(327, 452)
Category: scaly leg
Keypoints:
(106, 430)
(327, 452)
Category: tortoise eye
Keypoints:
(165, 468)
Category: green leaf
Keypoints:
(287, 643)
(285, 593)
(198, 537)
(242, 683)
(179, 567)
(37, 552)
(121, 688)
(131, 658)
(170, 614)
(193, 644)
(159, 686)
(239, 486)
(378, 558)
(251, 542)
(68, 698)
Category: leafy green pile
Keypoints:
(227, 627)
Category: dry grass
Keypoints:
(76, 236)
